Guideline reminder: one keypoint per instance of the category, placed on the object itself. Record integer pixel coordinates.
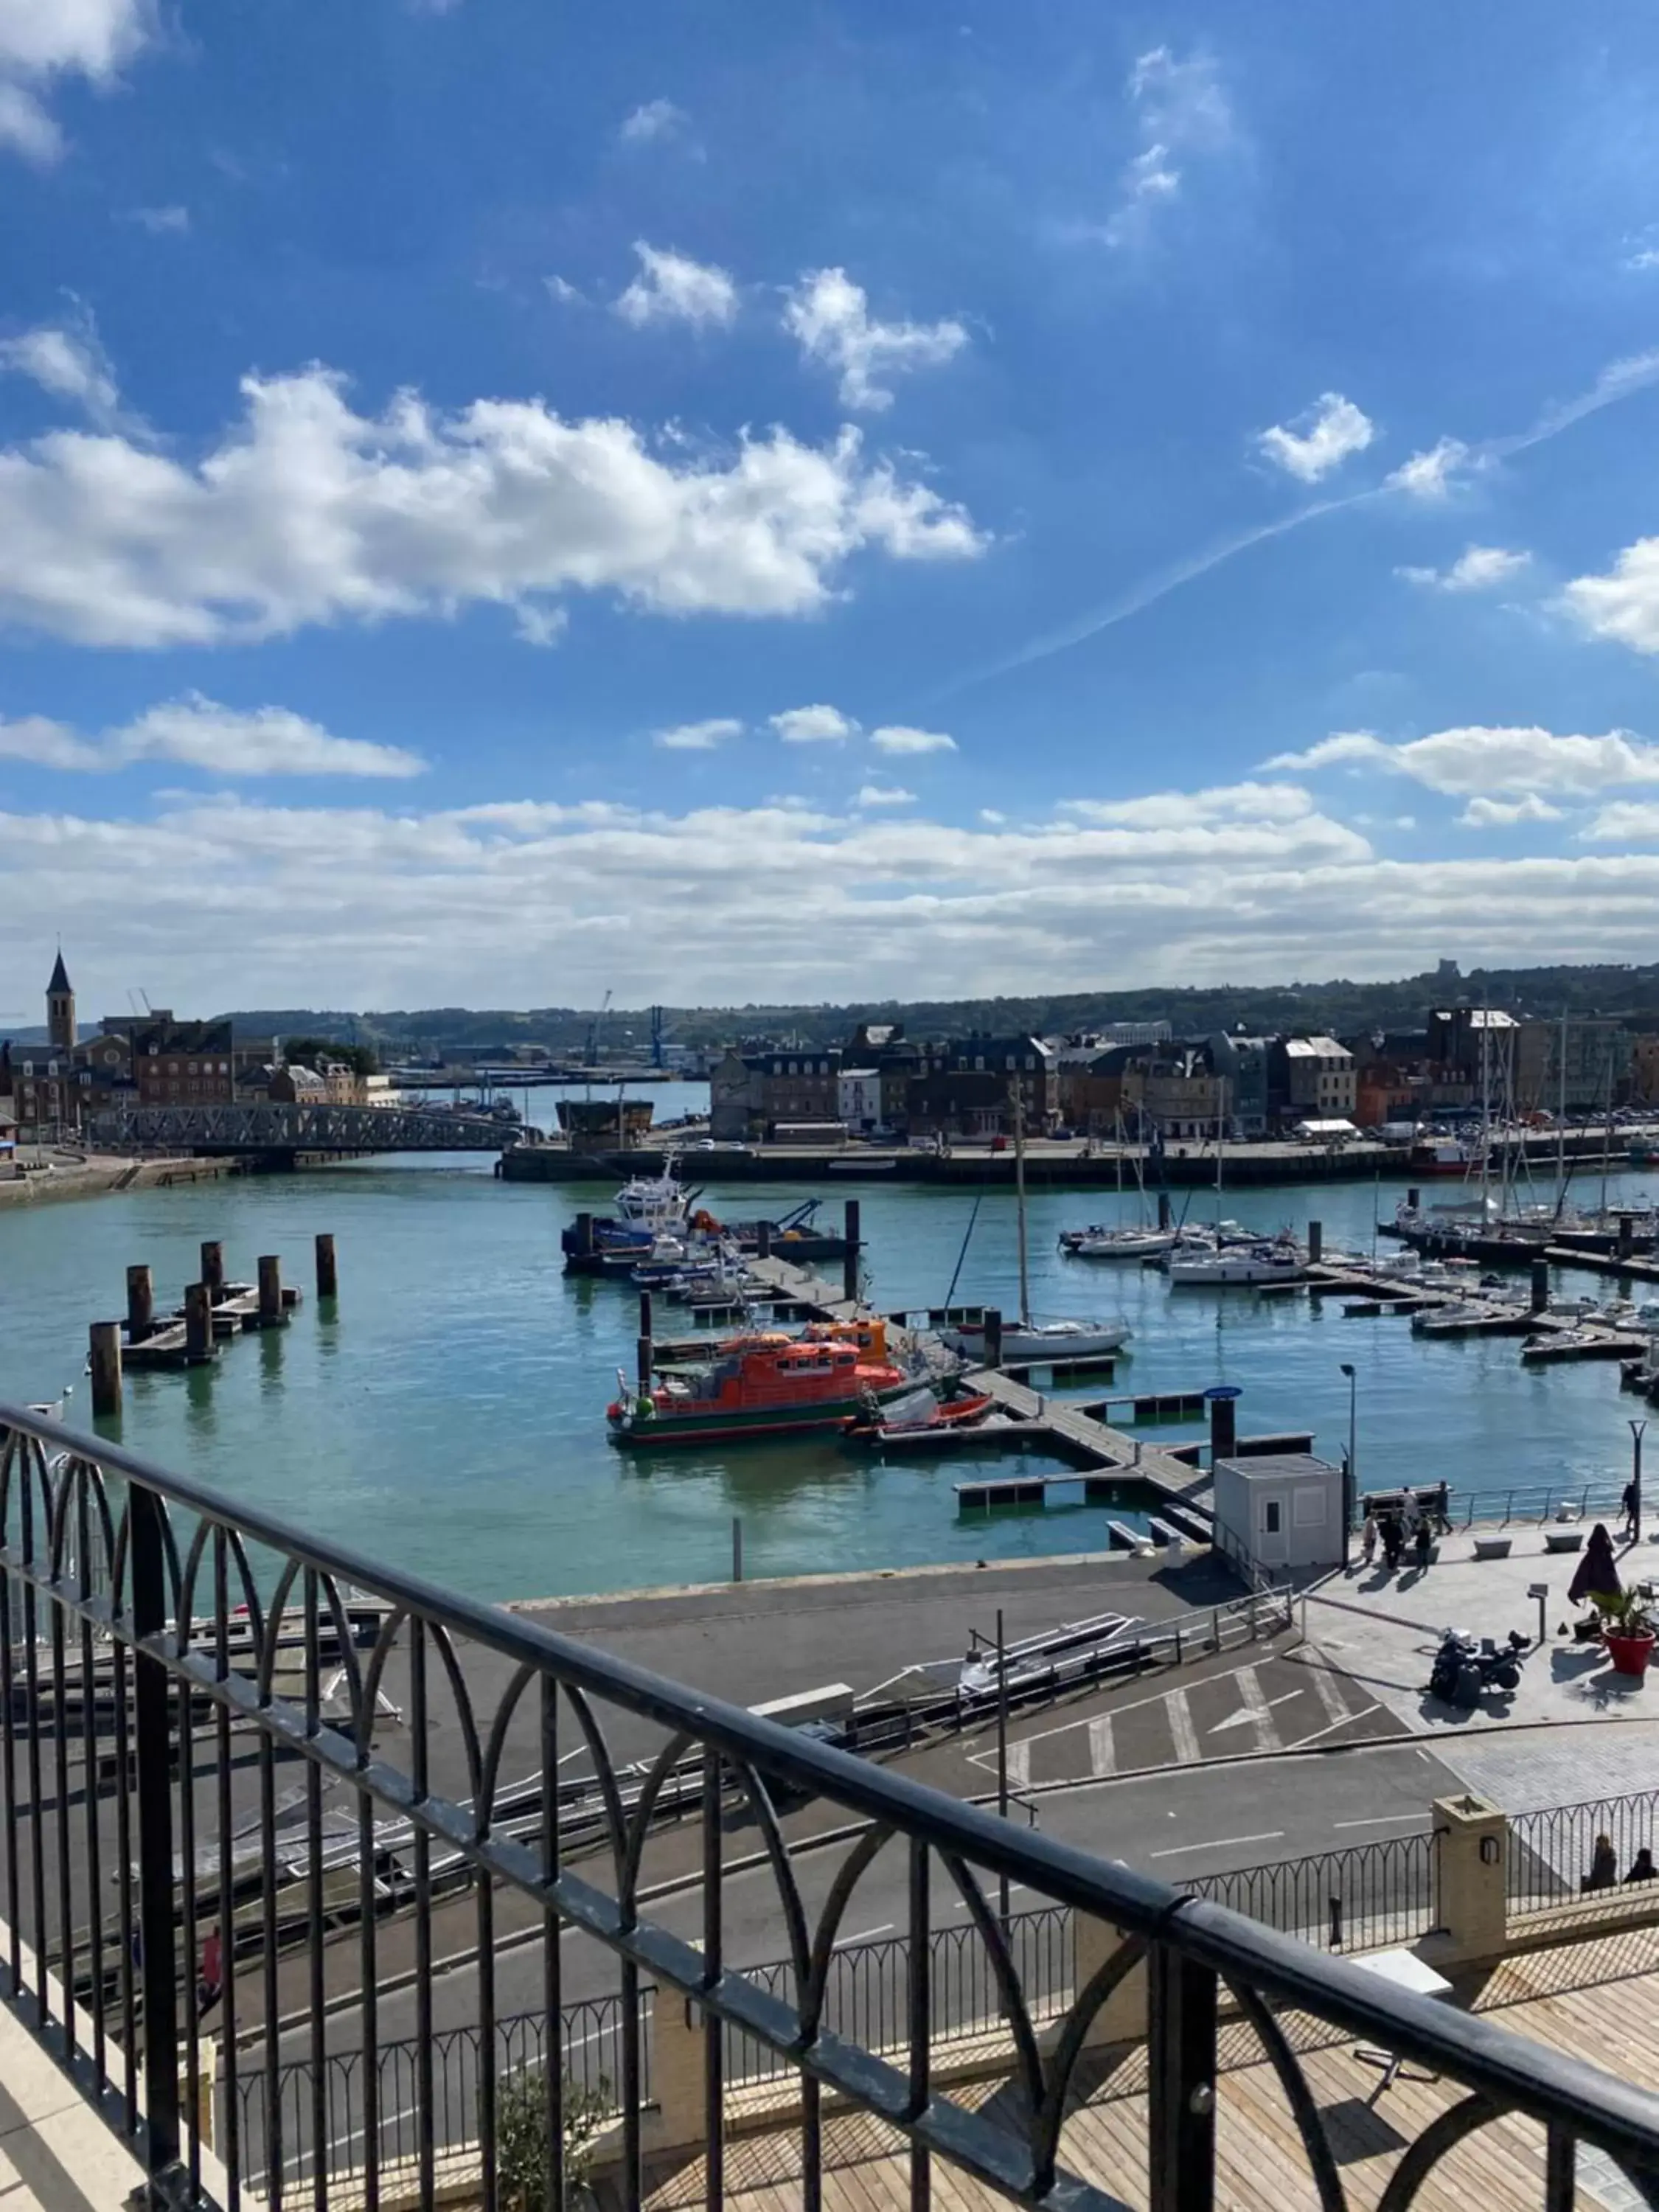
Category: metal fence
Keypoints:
(144, 1730)
(1361, 1897)
(1553, 1853)
(867, 1994)
(290, 2124)
(1537, 1502)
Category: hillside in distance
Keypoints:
(1345, 1007)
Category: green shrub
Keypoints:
(521, 2130)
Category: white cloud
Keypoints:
(895, 737)
(1171, 810)
(162, 221)
(829, 316)
(1319, 440)
(670, 287)
(1481, 760)
(1505, 813)
(653, 119)
(1622, 605)
(307, 511)
(993, 815)
(41, 40)
(1429, 476)
(70, 364)
(1477, 568)
(883, 794)
(698, 737)
(199, 733)
(1623, 819)
(567, 293)
(1181, 110)
(814, 726)
(251, 902)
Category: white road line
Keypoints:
(1337, 1708)
(1102, 1759)
(1182, 1730)
(1255, 1705)
(1019, 1764)
(1383, 1821)
(1220, 1843)
(863, 1936)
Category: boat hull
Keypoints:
(730, 1425)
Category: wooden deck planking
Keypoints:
(1558, 1997)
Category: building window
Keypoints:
(1272, 1517)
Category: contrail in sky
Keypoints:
(1620, 380)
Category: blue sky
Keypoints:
(499, 501)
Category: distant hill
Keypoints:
(1341, 1006)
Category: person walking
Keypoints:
(1424, 1543)
(1368, 1541)
(1394, 1539)
(1627, 1506)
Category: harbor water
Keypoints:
(449, 1414)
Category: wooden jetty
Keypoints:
(215, 1311)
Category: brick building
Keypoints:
(183, 1063)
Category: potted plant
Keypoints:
(1627, 1632)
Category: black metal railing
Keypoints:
(147, 1731)
(1557, 1855)
(278, 2132)
(1361, 1899)
(866, 1993)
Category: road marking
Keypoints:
(1248, 1713)
(1182, 1730)
(1019, 1764)
(1337, 1708)
(1255, 1705)
(1221, 1844)
(1383, 1820)
(864, 1935)
(1103, 1760)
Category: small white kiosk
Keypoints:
(1282, 1510)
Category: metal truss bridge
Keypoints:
(266, 1127)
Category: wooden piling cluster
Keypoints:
(214, 1311)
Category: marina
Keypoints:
(461, 1324)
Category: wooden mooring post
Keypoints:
(140, 1304)
(213, 1270)
(198, 1321)
(645, 1351)
(849, 1266)
(271, 1290)
(105, 1358)
(328, 1280)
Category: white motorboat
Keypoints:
(656, 1202)
(1040, 1340)
(1247, 1263)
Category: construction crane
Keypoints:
(594, 1029)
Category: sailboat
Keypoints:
(1227, 1253)
(1139, 1241)
(1028, 1340)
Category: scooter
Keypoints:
(1464, 1668)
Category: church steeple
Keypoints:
(60, 1007)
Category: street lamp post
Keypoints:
(1636, 1429)
(1350, 1471)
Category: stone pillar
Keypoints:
(198, 1321)
(1223, 1428)
(1540, 1285)
(1627, 1235)
(1315, 1242)
(328, 1279)
(1122, 2018)
(1164, 1209)
(679, 2072)
(213, 1269)
(1472, 1838)
(762, 1240)
(993, 1336)
(849, 1266)
(140, 1304)
(271, 1290)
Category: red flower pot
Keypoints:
(1630, 1654)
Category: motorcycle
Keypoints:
(1464, 1669)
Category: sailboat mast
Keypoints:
(1485, 1109)
(1019, 1202)
(1561, 1122)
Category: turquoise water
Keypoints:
(450, 1415)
